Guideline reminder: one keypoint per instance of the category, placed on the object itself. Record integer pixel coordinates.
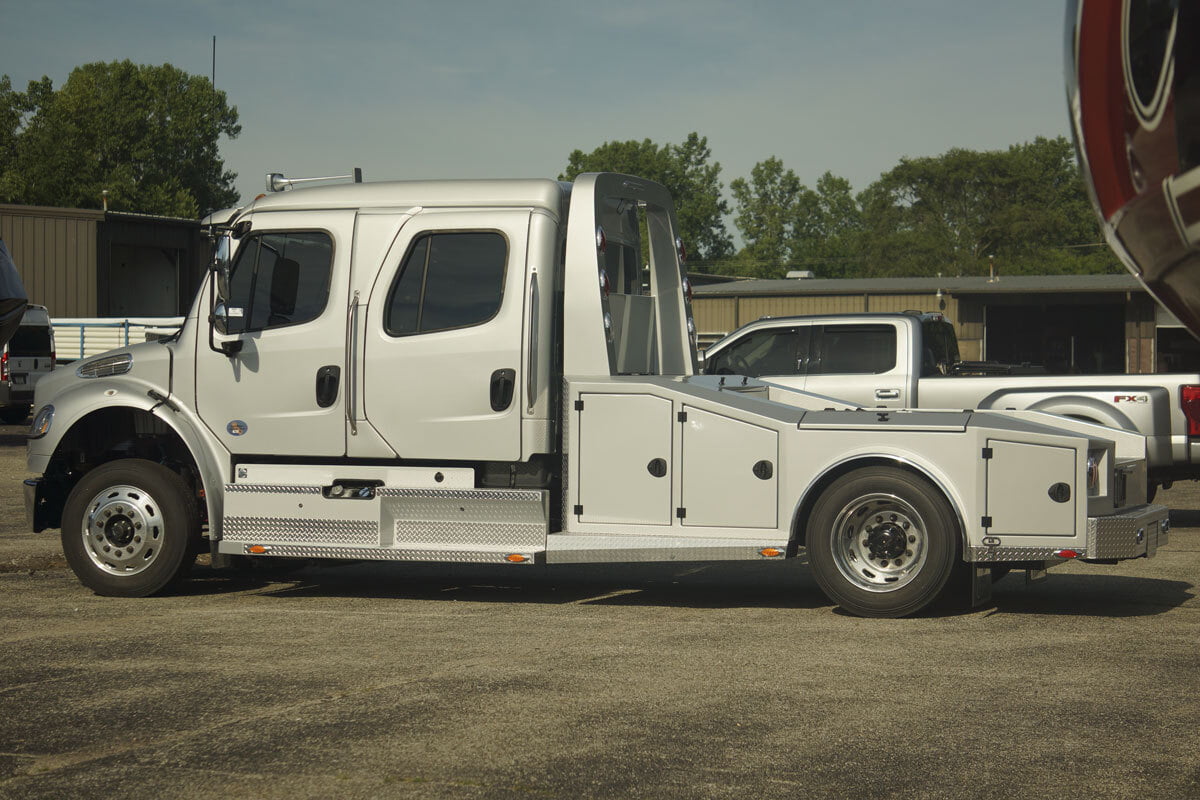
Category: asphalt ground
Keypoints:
(679, 681)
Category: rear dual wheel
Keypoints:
(882, 542)
(129, 528)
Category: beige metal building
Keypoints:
(1068, 323)
(87, 263)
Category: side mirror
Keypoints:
(220, 265)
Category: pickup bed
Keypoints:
(911, 361)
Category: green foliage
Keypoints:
(773, 208)
(1025, 207)
(685, 170)
(146, 134)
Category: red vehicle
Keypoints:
(1133, 84)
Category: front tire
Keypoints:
(128, 528)
(882, 542)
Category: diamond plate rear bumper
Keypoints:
(1130, 534)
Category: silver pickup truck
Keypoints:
(911, 361)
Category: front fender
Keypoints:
(74, 406)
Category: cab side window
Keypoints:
(279, 279)
(448, 280)
(779, 351)
(857, 350)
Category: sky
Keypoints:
(407, 89)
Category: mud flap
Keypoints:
(981, 584)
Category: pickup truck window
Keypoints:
(856, 350)
(280, 279)
(448, 280)
(776, 351)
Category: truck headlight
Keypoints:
(41, 422)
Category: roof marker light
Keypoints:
(601, 239)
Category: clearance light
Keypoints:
(601, 239)
(679, 248)
(687, 289)
(770, 552)
(1066, 554)
(515, 558)
(605, 286)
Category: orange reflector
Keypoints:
(1067, 554)
(515, 558)
(770, 552)
(257, 549)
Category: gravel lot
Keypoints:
(681, 681)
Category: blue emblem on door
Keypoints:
(237, 427)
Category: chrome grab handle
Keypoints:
(351, 365)
(887, 394)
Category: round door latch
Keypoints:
(657, 467)
(1060, 492)
(763, 470)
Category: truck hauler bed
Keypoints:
(483, 371)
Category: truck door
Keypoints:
(441, 357)
(282, 392)
(865, 364)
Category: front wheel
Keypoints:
(882, 542)
(128, 527)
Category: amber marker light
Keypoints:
(256, 549)
(515, 558)
(770, 552)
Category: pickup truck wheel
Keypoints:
(127, 527)
(882, 542)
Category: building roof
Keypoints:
(1005, 284)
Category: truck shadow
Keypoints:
(719, 586)
(751, 585)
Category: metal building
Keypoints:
(87, 263)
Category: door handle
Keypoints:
(328, 380)
(887, 394)
(503, 381)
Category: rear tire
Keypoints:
(882, 542)
(129, 528)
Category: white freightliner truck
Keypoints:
(471, 371)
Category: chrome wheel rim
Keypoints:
(880, 542)
(123, 530)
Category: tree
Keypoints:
(685, 171)
(773, 208)
(146, 134)
(837, 230)
(952, 213)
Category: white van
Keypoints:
(28, 356)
